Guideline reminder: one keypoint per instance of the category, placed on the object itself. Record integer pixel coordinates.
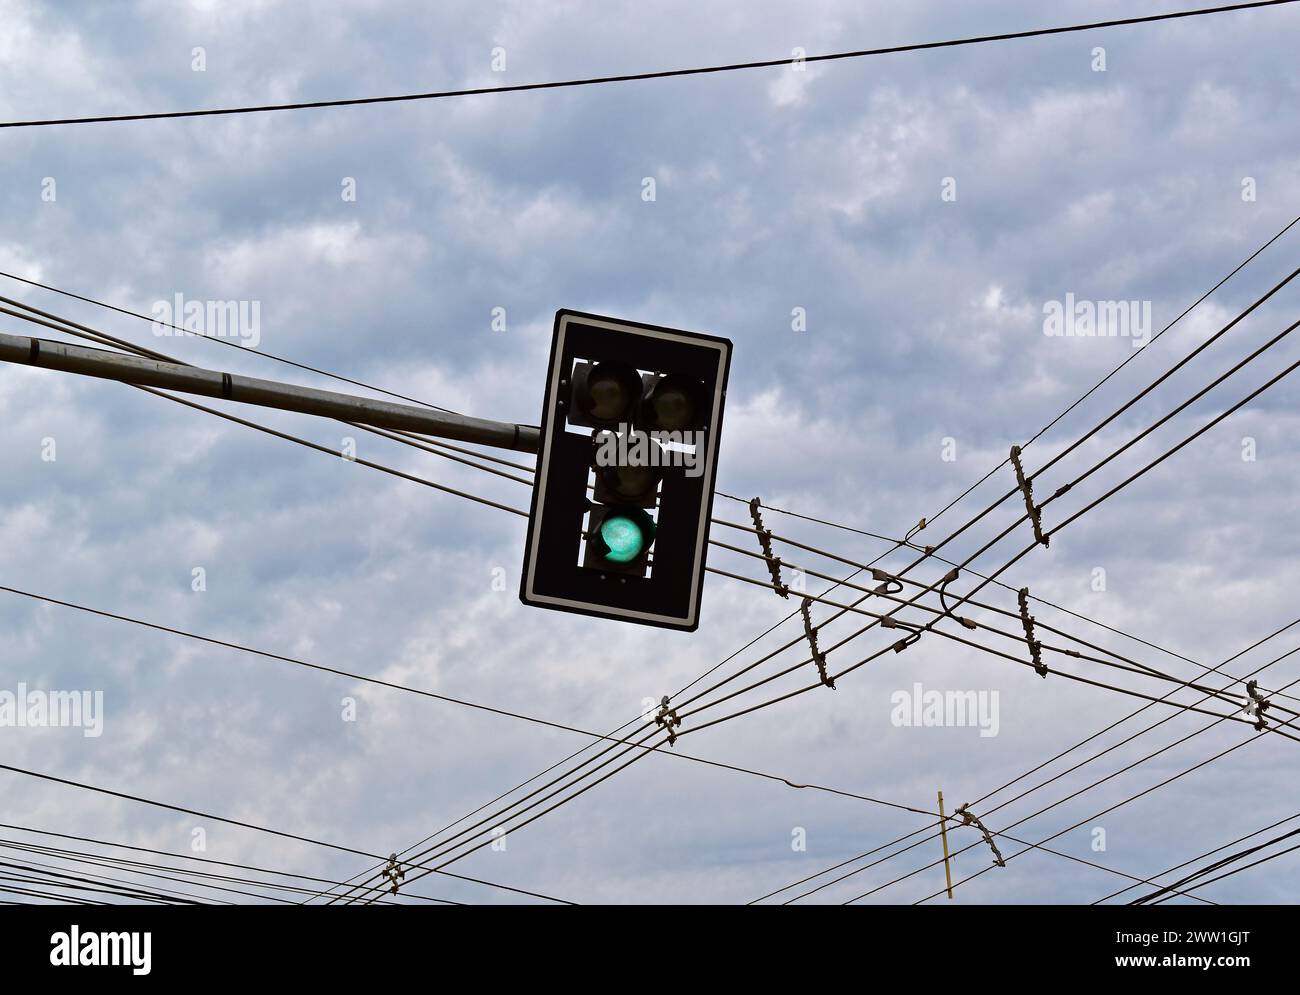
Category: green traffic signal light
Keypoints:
(623, 538)
(620, 539)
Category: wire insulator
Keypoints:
(1027, 620)
(668, 720)
(819, 657)
(969, 818)
(765, 542)
(393, 873)
(1027, 489)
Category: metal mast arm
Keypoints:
(107, 365)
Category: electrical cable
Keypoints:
(660, 74)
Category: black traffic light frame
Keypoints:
(552, 575)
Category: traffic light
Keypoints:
(625, 471)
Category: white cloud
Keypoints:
(924, 324)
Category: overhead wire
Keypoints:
(1109, 809)
(1111, 492)
(899, 544)
(1166, 890)
(1033, 770)
(189, 875)
(127, 796)
(253, 426)
(1125, 769)
(1201, 856)
(653, 75)
(1238, 870)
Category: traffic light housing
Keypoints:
(626, 466)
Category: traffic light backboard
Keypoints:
(631, 420)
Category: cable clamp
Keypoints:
(765, 542)
(969, 818)
(1258, 705)
(886, 579)
(394, 873)
(1027, 620)
(907, 539)
(948, 578)
(810, 631)
(668, 720)
(1027, 489)
(888, 622)
(902, 644)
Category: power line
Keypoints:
(846, 582)
(930, 520)
(1145, 469)
(391, 685)
(1097, 815)
(86, 331)
(447, 847)
(820, 552)
(898, 544)
(697, 728)
(660, 74)
(61, 899)
(931, 550)
(1093, 504)
(1125, 663)
(326, 450)
(553, 807)
(1263, 860)
(154, 869)
(102, 336)
(577, 753)
(406, 438)
(545, 811)
(1133, 20)
(1202, 856)
(97, 884)
(1140, 794)
(248, 825)
(117, 885)
(1090, 506)
(188, 875)
(394, 686)
(1150, 899)
(1020, 777)
(430, 449)
(128, 345)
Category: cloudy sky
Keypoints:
(922, 210)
